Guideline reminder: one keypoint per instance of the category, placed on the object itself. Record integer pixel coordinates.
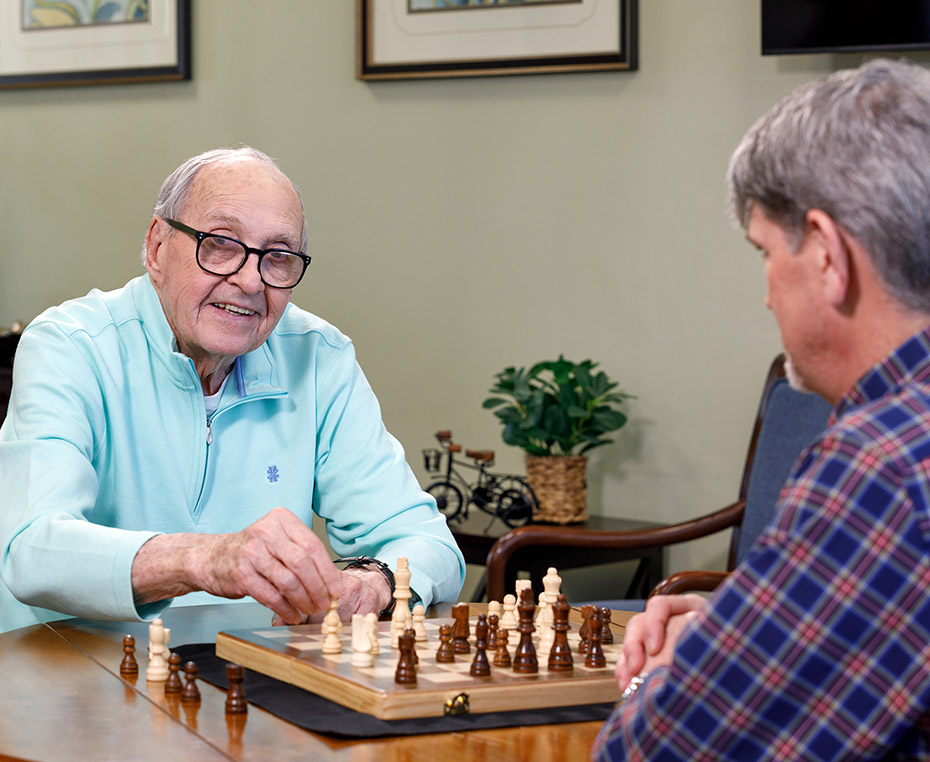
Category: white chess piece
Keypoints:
(508, 619)
(419, 629)
(371, 623)
(331, 627)
(361, 642)
(494, 607)
(159, 635)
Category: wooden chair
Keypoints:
(8, 342)
(786, 422)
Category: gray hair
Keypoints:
(855, 145)
(174, 191)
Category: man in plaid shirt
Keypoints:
(818, 645)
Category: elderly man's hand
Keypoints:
(364, 590)
(649, 639)
(278, 560)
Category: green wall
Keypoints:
(457, 226)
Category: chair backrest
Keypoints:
(787, 422)
(8, 342)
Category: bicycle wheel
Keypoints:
(448, 498)
(516, 501)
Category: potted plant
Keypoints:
(557, 411)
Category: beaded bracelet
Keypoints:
(356, 562)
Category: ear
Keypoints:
(155, 237)
(833, 256)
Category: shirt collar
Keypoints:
(909, 363)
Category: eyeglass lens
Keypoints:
(223, 256)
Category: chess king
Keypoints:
(173, 439)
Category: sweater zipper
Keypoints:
(209, 430)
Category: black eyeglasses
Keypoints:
(222, 255)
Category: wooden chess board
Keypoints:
(294, 655)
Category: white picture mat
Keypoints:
(88, 48)
(508, 32)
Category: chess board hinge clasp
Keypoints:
(457, 705)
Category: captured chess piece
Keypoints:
(524, 660)
(480, 667)
(191, 693)
(129, 666)
(173, 684)
(159, 635)
(235, 697)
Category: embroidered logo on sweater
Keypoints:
(273, 475)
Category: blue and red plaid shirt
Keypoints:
(818, 646)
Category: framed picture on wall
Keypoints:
(87, 42)
(402, 39)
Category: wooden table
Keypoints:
(61, 698)
(478, 533)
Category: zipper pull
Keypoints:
(209, 430)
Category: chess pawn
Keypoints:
(419, 616)
(495, 608)
(173, 683)
(493, 629)
(502, 655)
(607, 635)
(361, 643)
(331, 625)
(191, 693)
(445, 653)
(508, 620)
(584, 632)
(235, 697)
(480, 666)
(129, 666)
(460, 629)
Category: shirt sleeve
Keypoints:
(53, 556)
(367, 494)
(816, 648)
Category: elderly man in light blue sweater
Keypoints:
(173, 438)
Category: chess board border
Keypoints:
(503, 691)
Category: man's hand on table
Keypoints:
(277, 560)
(649, 639)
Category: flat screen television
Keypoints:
(844, 26)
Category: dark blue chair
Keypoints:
(786, 422)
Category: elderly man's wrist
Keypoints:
(368, 564)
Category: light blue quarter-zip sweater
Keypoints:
(107, 443)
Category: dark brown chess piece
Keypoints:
(480, 667)
(584, 632)
(560, 655)
(406, 673)
(460, 629)
(191, 693)
(413, 634)
(595, 657)
(235, 696)
(445, 653)
(607, 635)
(502, 655)
(524, 660)
(173, 683)
(493, 626)
(129, 665)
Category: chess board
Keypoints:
(294, 655)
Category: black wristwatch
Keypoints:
(356, 562)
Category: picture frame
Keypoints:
(395, 40)
(156, 50)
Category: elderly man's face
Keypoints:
(217, 318)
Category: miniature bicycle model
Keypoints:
(503, 496)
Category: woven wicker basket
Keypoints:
(561, 487)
